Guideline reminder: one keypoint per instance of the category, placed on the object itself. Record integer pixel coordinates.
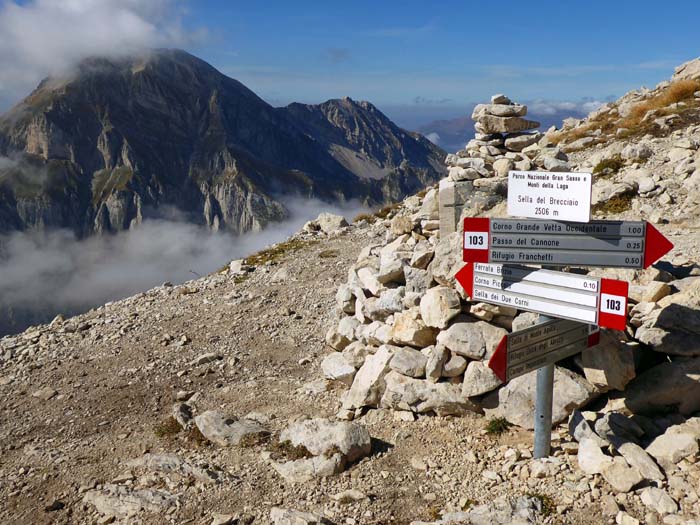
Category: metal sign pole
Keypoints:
(543, 405)
(543, 410)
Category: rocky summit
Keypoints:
(121, 139)
(341, 376)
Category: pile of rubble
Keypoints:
(408, 339)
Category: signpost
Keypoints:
(546, 343)
(556, 231)
(622, 244)
(568, 296)
(550, 195)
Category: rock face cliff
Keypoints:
(121, 139)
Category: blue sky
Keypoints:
(414, 58)
(445, 53)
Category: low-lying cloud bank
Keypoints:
(46, 273)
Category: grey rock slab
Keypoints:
(516, 400)
(415, 395)
(494, 124)
(621, 477)
(643, 462)
(126, 502)
(368, 386)
(409, 362)
(479, 379)
(322, 436)
(226, 431)
(658, 500)
(447, 260)
(436, 361)
(172, 464)
(307, 469)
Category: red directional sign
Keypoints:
(580, 298)
(622, 244)
(543, 344)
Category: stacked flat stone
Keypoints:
(504, 141)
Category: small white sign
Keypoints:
(612, 304)
(558, 196)
(476, 241)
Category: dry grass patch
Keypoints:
(276, 252)
(614, 205)
(370, 218)
(634, 123)
(608, 167)
(167, 428)
(285, 451)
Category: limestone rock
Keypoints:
(447, 260)
(439, 305)
(620, 476)
(474, 339)
(329, 222)
(409, 329)
(336, 368)
(401, 224)
(503, 166)
(368, 386)
(658, 500)
(668, 449)
(405, 393)
(479, 379)
(409, 362)
(325, 437)
(172, 464)
(454, 367)
(674, 328)
(226, 431)
(494, 124)
(689, 70)
(590, 457)
(610, 364)
(519, 141)
(639, 151)
(516, 400)
(436, 360)
(125, 502)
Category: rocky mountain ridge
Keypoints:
(102, 149)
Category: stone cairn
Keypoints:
(504, 141)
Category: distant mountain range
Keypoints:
(122, 139)
(452, 134)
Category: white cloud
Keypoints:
(433, 137)
(45, 273)
(549, 107)
(43, 37)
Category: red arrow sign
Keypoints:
(622, 244)
(545, 343)
(580, 298)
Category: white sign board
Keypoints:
(550, 195)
